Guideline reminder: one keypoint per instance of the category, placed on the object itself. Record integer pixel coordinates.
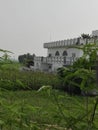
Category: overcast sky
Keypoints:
(26, 24)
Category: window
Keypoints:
(65, 53)
(50, 66)
(73, 54)
(57, 53)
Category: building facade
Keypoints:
(61, 53)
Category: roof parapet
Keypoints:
(61, 43)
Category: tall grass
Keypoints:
(18, 80)
(33, 110)
(38, 110)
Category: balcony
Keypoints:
(54, 60)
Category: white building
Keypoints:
(60, 53)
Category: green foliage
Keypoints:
(14, 79)
(88, 60)
(12, 66)
(83, 78)
(45, 89)
(47, 108)
(5, 57)
(29, 110)
(82, 73)
(81, 63)
(15, 114)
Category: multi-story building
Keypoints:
(61, 53)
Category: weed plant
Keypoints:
(34, 110)
(17, 80)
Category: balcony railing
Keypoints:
(53, 60)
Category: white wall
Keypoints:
(78, 52)
(95, 33)
(53, 51)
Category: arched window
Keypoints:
(65, 53)
(57, 53)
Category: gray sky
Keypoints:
(26, 24)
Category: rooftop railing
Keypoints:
(61, 43)
(68, 42)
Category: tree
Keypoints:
(5, 57)
(82, 73)
(85, 36)
(27, 59)
(88, 60)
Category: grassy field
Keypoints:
(24, 107)
(33, 110)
